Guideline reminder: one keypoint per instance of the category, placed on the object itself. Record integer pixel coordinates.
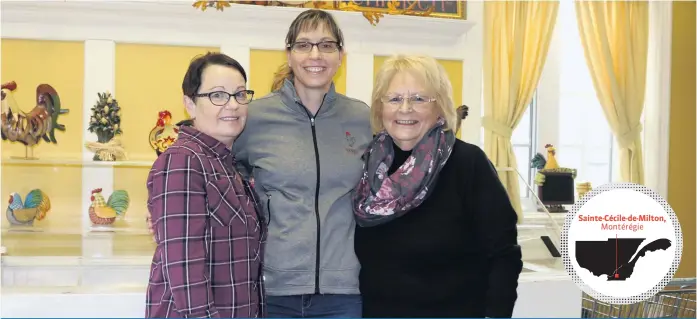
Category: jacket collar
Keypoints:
(290, 98)
(187, 131)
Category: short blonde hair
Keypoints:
(432, 74)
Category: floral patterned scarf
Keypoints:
(380, 198)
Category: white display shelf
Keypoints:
(82, 282)
(73, 162)
(75, 244)
(136, 254)
(73, 273)
(8, 229)
(12, 229)
(113, 289)
(95, 174)
(119, 230)
(58, 261)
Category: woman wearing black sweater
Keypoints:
(437, 233)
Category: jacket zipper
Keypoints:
(268, 208)
(314, 141)
(317, 259)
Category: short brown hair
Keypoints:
(307, 20)
(192, 77)
(431, 72)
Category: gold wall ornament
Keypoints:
(393, 7)
(221, 5)
(373, 11)
(300, 4)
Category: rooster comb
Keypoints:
(96, 190)
(12, 85)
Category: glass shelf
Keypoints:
(72, 257)
(73, 162)
(37, 244)
(538, 261)
(93, 244)
(67, 183)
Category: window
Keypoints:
(585, 139)
(523, 140)
(524, 143)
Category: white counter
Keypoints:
(104, 285)
(106, 290)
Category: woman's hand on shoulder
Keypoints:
(148, 222)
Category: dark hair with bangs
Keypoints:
(192, 78)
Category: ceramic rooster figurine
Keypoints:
(164, 133)
(35, 207)
(551, 160)
(39, 123)
(104, 212)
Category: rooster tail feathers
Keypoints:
(119, 201)
(538, 161)
(39, 200)
(47, 90)
(53, 105)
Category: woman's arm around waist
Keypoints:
(178, 206)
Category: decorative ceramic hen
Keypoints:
(104, 212)
(164, 133)
(551, 160)
(35, 207)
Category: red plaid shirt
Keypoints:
(209, 236)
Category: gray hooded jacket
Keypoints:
(304, 170)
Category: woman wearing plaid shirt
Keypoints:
(204, 215)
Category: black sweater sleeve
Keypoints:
(497, 223)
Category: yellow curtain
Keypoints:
(516, 41)
(615, 37)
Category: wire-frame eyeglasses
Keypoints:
(415, 101)
(324, 46)
(221, 98)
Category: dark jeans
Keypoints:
(314, 306)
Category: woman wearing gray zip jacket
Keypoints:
(302, 146)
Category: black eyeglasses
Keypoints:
(324, 46)
(221, 98)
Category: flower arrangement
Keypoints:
(105, 121)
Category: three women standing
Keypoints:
(438, 235)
